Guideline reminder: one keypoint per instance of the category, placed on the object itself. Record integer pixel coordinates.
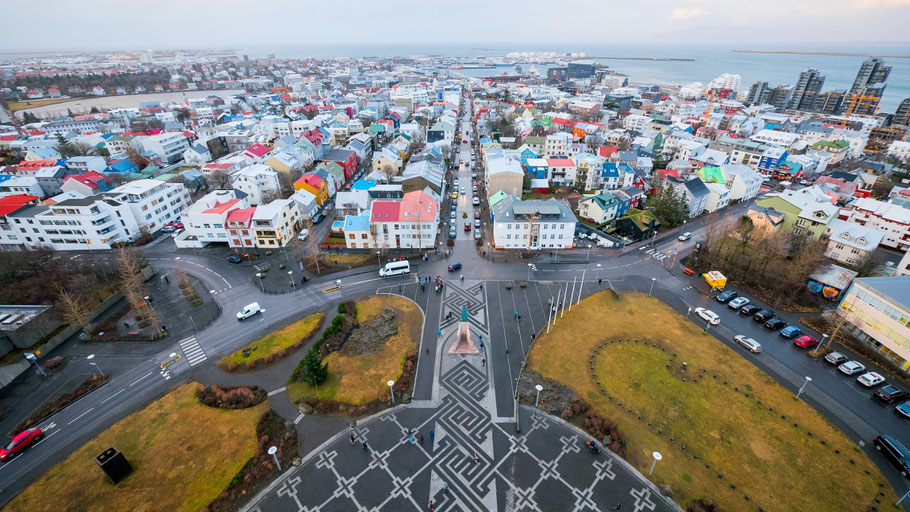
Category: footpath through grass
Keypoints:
(275, 341)
(739, 438)
(183, 455)
(361, 378)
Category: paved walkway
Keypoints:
(475, 451)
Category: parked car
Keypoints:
(477, 215)
(727, 296)
(805, 342)
(478, 234)
(22, 441)
(903, 409)
(477, 223)
(895, 452)
(737, 303)
(750, 344)
(453, 216)
(318, 218)
(763, 315)
(870, 379)
(248, 311)
(889, 393)
(476, 201)
(708, 315)
(790, 332)
(168, 229)
(233, 258)
(303, 234)
(775, 323)
(749, 310)
(685, 236)
(851, 367)
(454, 267)
(835, 358)
(452, 232)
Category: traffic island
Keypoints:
(273, 347)
(726, 431)
(184, 454)
(375, 341)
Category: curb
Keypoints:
(105, 383)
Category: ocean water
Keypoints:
(710, 61)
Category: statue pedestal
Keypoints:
(463, 343)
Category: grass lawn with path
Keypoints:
(275, 341)
(346, 259)
(358, 379)
(744, 429)
(182, 452)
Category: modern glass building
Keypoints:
(878, 309)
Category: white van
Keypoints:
(395, 268)
(248, 311)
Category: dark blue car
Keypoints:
(790, 331)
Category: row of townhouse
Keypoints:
(226, 216)
(411, 222)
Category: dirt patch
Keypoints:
(761, 449)
(239, 397)
(554, 398)
(369, 337)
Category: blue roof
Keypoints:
(364, 184)
(357, 222)
(613, 169)
(5, 177)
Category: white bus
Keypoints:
(395, 268)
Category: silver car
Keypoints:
(750, 344)
(851, 367)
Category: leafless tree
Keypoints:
(129, 273)
(72, 307)
(219, 179)
(388, 172)
(312, 244)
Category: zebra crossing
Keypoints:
(657, 255)
(193, 351)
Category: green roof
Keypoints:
(712, 175)
(828, 144)
(497, 197)
(535, 139)
(641, 218)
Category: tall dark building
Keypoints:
(780, 97)
(831, 103)
(759, 94)
(805, 94)
(902, 115)
(870, 82)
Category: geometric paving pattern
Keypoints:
(471, 464)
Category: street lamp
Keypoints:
(291, 277)
(539, 388)
(688, 312)
(808, 380)
(391, 383)
(90, 357)
(657, 456)
(259, 275)
(707, 324)
(652, 285)
(30, 356)
(378, 261)
(597, 276)
(824, 337)
(273, 450)
(530, 268)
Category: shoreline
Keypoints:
(658, 59)
(84, 104)
(826, 52)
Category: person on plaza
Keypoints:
(432, 435)
(483, 362)
(445, 487)
(353, 440)
(476, 458)
(364, 443)
(420, 437)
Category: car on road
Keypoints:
(685, 236)
(727, 296)
(737, 303)
(233, 258)
(168, 228)
(750, 344)
(870, 379)
(454, 195)
(453, 216)
(708, 315)
(763, 315)
(805, 342)
(790, 332)
(749, 310)
(454, 267)
(895, 452)
(455, 182)
(452, 232)
(477, 223)
(318, 218)
(851, 367)
(889, 393)
(903, 409)
(477, 215)
(475, 201)
(835, 358)
(775, 323)
(303, 234)
(22, 441)
(248, 311)
(463, 191)
(478, 234)
(467, 227)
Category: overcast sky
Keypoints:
(131, 24)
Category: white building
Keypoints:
(258, 181)
(718, 197)
(169, 146)
(409, 223)
(892, 219)
(851, 243)
(81, 164)
(900, 149)
(533, 224)
(204, 221)
(557, 144)
(275, 224)
(743, 182)
(152, 202)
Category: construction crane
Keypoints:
(857, 99)
(711, 97)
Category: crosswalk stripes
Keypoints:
(192, 351)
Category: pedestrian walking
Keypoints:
(462, 277)
(364, 443)
(420, 438)
(353, 440)
(618, 506)
(481, 286)
(483, 362)
(532, 336)
(411, 438)
(515, 315)
(432, 435)
(519, 318)
(476, 458)
(431, 505)
(439, 332)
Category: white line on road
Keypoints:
(81, 415)
(296, 421)
(112, 396)
(140, 378)
(46, 438)
(276, 391)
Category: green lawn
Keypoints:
(275, 341)
(183, 455)
(358, 379)
(744, 430)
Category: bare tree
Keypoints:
(388, 172)
(219, 179)
(312, 243)
(72, 307)
(129, 273)
(133, 155)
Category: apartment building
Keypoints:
(533, 224)
(275, 224)
(877, 310)
(205, 220)
(851, 243)
(152, 203)
(409, 223)
(892, 219)
(168, 146)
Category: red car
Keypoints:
(21, 442)
(805, 342)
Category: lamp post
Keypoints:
(531, 267)
(273, 451)
(707, 324)
(90, 357)
(259, 275)
(808, 380)
(688, 312)
(30, 356)
(378, 261)
(657, 456)
(653, 279)
(291, 277)
(391, 383)
(597, 275)
(824, 337)
(539, 388)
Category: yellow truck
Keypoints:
(715, 280)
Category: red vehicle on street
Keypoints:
(805, 342)
(21, 442)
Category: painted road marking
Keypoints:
(170, 361)
(296, 421)
(140, 378)
(112, 396)
(81, 415)
(45, 438)
(276, 391)
(49, 426)
(331, 289)
(193, 351)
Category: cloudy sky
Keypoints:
(132, 24)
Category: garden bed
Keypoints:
(274, 346)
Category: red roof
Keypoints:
(258, 150)
(560, 162)
(668, 172)
(607, 150)
(385, 211)
(564, 122)
(88, 178)
(312, 180)
(8, 137)
(240, 215)
(222, 207)
(34, 165)
(217, 166)
(9, 204)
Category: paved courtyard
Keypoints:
(545, 467)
